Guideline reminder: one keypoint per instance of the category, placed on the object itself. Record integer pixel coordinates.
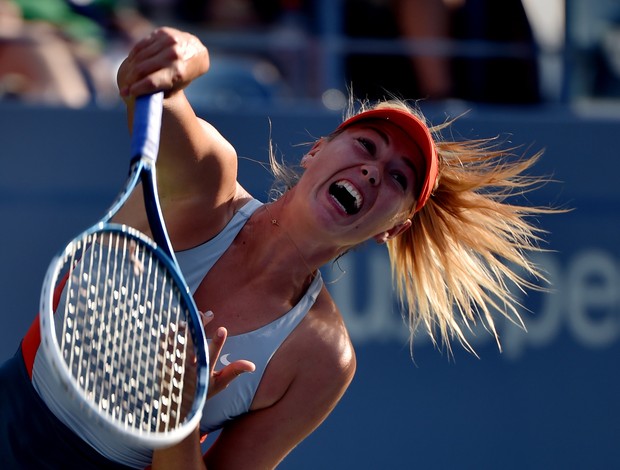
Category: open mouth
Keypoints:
(345, 194)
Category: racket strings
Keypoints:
(122, 327)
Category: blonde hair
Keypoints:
(453, 266)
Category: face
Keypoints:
(362, 183)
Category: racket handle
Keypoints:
(147, 126)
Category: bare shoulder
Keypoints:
(316, 362)
(326, 344)
(219, 144)
(304, 382)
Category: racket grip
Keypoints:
(147, 126)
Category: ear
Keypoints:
(308, 156)
(393, 232)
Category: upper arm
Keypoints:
(196, 178)
(195, 160)
(262, 438)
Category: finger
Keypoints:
(150, 76)
(222, 378)
(138, 46)
(150, 66)
(206, 317)
(215, 345)
(151, 44)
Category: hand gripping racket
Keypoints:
(120, 332)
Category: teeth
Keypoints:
(339, 203)
(352, 191)
(346, 196)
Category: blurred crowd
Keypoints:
(66, 52)
(63, 52)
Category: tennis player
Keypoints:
(440, 207)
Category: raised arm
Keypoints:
(197, 167)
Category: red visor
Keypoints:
(419, 132)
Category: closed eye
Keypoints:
(368, 144)
(401, 180)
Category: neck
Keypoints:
(296, 243)
(277, 225)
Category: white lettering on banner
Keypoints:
(583, 299)
(365, 297)
(543, 321)
(593, 298)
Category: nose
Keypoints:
(371, 174)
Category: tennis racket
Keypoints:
(121, 337)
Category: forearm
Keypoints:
(186, 455)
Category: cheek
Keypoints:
(396, 210)
(394, 202)
(405, 204)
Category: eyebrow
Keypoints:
(413, 168)
(381, 134)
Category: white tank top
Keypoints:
(257, 346)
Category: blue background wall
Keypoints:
(550, 400)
